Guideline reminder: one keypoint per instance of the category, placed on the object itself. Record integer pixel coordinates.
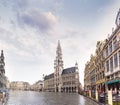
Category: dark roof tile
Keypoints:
(49, 76)
(68, 70)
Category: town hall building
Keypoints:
(62, 80)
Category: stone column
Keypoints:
(55, 89)
(76, 89)
(110, 97)
(65, 89)
(96, 95)
(90, 93)
(59, 88)
(70, 89)
(118, 60)
(115, 89)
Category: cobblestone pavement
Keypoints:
(88, 101)
(47, 98)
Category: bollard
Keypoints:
(110, 97)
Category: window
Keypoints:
(107, 66)
(110, 47)
(115, 42)
(100, 66)
(106, 51)
(115, 60)
(108, 77)
(112, 76)
(111, 64)
(116, 74)
(103, 74)
(100, 76)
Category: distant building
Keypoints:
(38, 86)
(99, 67)
(94, 76)
(62, 80)
(19, 85)
(2, 71)
(89, 77)
(7, 83)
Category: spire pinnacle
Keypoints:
(76, 66)
(59, 47)
(76, 63)
(58, 60)
(2, 55)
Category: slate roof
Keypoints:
(49, 76)
(68, 70)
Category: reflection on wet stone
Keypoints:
(47, 98)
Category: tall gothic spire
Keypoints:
(59, 44)
(2, 53)
(58, 60)
(2, 56)
(58, 67)
(58, 48)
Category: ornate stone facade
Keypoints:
(94, 76)
(87, 83)
(100, 69)
(37, 86)
(112, 58)
(89, 77)
(105, 65)
(62, 80)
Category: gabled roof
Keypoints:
(68, 70)
(49, 76)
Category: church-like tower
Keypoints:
(58, 67)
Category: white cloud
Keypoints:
(43, 21)
(30, 46)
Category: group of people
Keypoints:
(3, 97)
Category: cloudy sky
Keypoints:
(30, 30)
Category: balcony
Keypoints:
(108, 73)
(116, 69)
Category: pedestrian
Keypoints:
(1, 96)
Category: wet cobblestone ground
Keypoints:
(47, 98)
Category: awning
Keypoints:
(112, 81)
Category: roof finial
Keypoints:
(58, 42)
(2, 55)
(76, 64)
(59, 47)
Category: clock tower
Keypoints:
(58, 67)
